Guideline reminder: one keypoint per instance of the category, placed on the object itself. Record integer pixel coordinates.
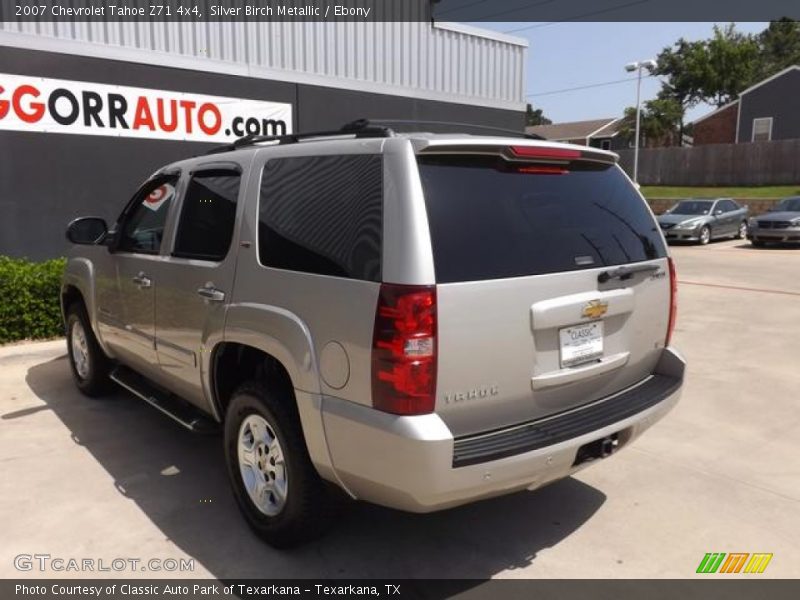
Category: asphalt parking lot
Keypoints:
(113, 478)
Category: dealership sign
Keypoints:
(79, 107)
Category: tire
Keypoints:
(278, 490)
(705, 235)
(89, 364)
(758, 243)
(742, 233)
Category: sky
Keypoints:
(568, 55)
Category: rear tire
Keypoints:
(278, 490)
(705, 235)
(89, 364)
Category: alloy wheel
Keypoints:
(262, 465)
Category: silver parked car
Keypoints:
(781, 224)
(418, 320)
(704, 219)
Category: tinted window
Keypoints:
(143, 223)
(488, 221)
(323, 214)
(729, 206)
(208, 214)
(692, 207)
(789, 204)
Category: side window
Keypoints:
(143, 226)
(208, 213)
(323, 215)
(729, 206)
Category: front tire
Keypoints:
(705, 235)
(278, 490)
(89, 364)
(742, 233)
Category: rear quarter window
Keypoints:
(489, 221)
(323, 215)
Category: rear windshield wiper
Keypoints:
(624, 273)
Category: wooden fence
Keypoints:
(756, 163)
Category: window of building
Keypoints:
(762, 129)
(208, 215)
(605, 144)
(323, 215)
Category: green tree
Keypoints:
(713, 70)
(683, 69)
(660, 125)
(535, 117)
(733, 59)
(779, 46)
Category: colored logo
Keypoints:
(595, 309)
(734, 562)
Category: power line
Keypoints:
(586, 87)
(512, 10)
(457, 8)
(577, 17)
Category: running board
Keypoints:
(172, 406)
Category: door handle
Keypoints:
(142, 280)
(211, 293)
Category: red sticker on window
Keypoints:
(158, 196)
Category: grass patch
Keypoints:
(770, 191)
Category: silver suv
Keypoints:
(418, 320)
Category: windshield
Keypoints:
(788, 205)
(489, 221)
(692, 207)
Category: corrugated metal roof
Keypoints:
(418, 59)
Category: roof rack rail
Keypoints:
(360, 128)
(522, 134)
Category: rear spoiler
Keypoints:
(556, 155)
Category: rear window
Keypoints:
(489, 221)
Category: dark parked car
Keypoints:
(704, 219)
(780, 224)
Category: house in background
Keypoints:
(763, 112)
(599, 133)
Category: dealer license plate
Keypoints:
(581, 343)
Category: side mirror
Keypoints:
(88, 231)
(718, 212)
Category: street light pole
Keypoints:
(638, 66)
(638, 121)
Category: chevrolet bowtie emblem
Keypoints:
(594, 309)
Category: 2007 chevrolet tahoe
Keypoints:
(421, 320)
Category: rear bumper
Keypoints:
(412, 463)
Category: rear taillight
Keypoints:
(544, 152)
(404, 350)
(543, 170)
(673, 300)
